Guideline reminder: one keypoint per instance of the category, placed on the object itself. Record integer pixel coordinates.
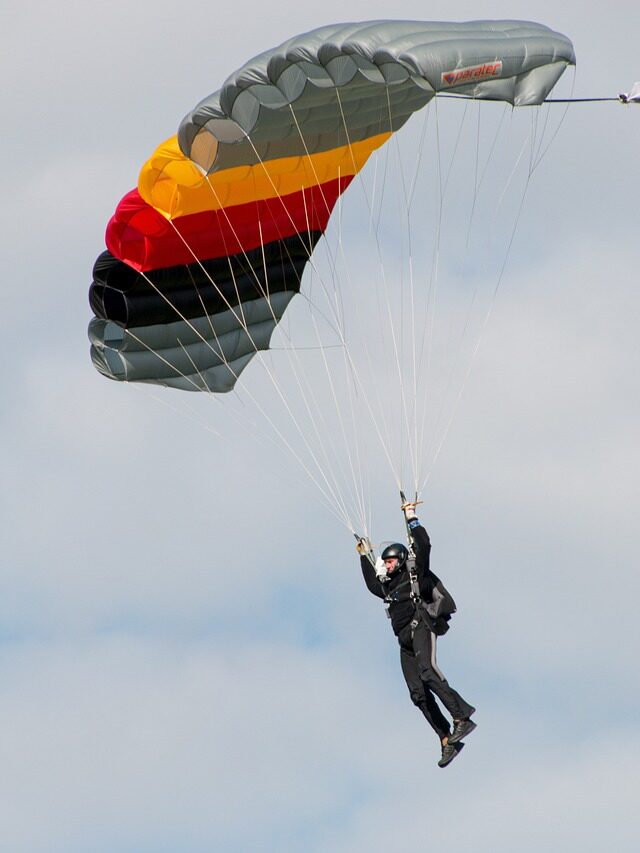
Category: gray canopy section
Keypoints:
(344, 83)
(203, 354)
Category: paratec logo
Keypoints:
(472, 73)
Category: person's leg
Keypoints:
(424, 647)
(422, 698)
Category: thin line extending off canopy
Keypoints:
(546, 101)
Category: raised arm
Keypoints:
(368, 571)
(421, 541)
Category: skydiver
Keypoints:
(419, 612)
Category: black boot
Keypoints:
(461, 728)
(449, 752)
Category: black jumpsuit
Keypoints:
(417, 640)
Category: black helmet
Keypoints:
(396, 550)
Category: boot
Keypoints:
(449, 752)
(461, 728)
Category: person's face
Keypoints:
(391, 564)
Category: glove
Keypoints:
(364, 547)
(381, 569)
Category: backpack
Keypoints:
(437, 612)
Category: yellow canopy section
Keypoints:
(175, 186)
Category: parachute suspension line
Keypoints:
(196, 387)
(443, 183)
(423, 137)
(349, 362)
(213, 332)
(383, 188)
(183, 411)
(454, 363)
(379, 419)
(330, 494)
(307, 249)
(382, 408)
(327, 472)
(418, 425)
(345, 518)
(254, 433)
(456, 146)
(537, 143)
(346, 348)
(365, 517)
(288, 213)
(412, 438)
(528, 142)
(404, 219)
(240, 318)
(219, 354)
(339, 310)
(310, 160)
(485, 168)
(374, 190)
(333, 487)
(457, 352)
(335, 309)
(188, 412)
(420, 422)
(255, 276)
(534, 161)
(355, 374)
(404, 413)
(338, 409)
(195, 366)
(432, 290)
(350, 382)
(485, 320)
(339, 500)
(567, 102)
(477, 183)
(356, 477)
(397, 473)
(373, 419)
(507, 186)
(355, 469)
(306, 395)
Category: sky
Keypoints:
(189, 660)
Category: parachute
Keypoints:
(205, 256)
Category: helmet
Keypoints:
(396, 550)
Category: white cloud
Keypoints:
(127, 744)
(134, 741)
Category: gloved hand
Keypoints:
(381, 569)
(364, 546)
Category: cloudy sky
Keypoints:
(189, 660)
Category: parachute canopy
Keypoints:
(205, 255)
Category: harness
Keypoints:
(419, 603)
(435, 613)
(414, 588)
